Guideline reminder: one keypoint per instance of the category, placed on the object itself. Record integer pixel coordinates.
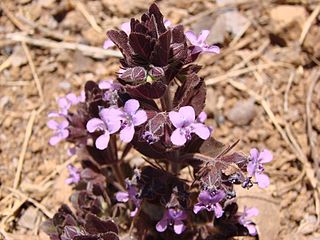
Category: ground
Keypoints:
(264, 89)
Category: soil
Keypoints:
(264, 89)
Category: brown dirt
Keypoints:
(269, 67)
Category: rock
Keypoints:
(81, 63)
(268, 220)
(242, 113)
(286, 14)
(18, 57)
(29, 217)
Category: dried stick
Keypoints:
(24, 148)
(94, 52)
(37, 204)
(314, 76)
(309, 171)
(50, 33)
(308, 23)
(236, 73)
(13, 19)
(33, 70)
(81, 7)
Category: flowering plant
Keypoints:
(155, 107)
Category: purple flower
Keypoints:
(244, 219)
(199, 42)
(66, 102)
(131, 117)
(255, 167)
(185, 123)
(124, 27)
(210, 201)
(172, 217)
(132, 195)
(60, 130)
(74, 175)
(108, 123)
(111, 89)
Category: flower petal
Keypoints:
(105, 84)
(72, 98)
(178, 138)
(95, 124)
(108, 44)
(251, 212)
(103, 141)
(52, 124)
(64, 124)
(176, 119)
(202, 117)
(131, 106)
(192, 37)
(218, 211)
(139, 117)
(251, 168)
(178, 226)
(54, 140)
(162, 225)
(251, 229)
(201, 130)
(198, 207)
(126, 134)
(212, 49)
(265, 156)
(254, 154)
(122, 196)
(126, 27)
(203, 36)
(188, 114)
(263, 180)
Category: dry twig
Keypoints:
(81, 7)
(24, 148)
(314, 77)
(33, 70)
(308, 23)
(94, 52)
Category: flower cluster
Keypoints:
(155, 107)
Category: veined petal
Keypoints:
(103, 141)
(201, 130)
(178, 138)
(265, 156)
(188, 114)
(203, 36)
(139, 117)
(176, 119)
(254, 154)
(178, 226)
(131, 106)
(192, 37)
(95, 124)
(126, 134)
